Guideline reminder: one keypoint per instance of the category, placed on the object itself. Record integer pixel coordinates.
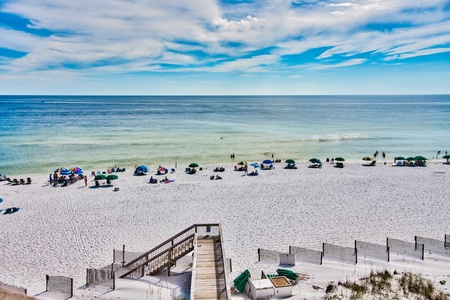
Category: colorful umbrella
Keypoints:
(76, 170)
(242, 163)
(267, 162)
(62, 170)
(367, 158)
(256, 165)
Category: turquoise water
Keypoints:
(41, 133)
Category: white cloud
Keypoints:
(350, 62)
(126, 36)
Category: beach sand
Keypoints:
(64, 230)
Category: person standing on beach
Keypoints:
(50, 178)
(85, 180)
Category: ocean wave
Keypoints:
(340, 137)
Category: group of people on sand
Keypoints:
(65, 180)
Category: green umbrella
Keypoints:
(194, 165)
(112, 177)
(420, 158)
(339, 159)
(315, 160)
(411, 158)
(100, 177)
(367, 158)
(446, 157)
(400, 158)
(290, 161)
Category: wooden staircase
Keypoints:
(209, 275)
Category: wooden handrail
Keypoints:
(158, 255)
(170, 240)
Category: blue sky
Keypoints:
(243, 47)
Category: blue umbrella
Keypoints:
(143, 169)
(256, 165)
(267, 162)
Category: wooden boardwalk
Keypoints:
(209, 278)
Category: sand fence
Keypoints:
(362, 249)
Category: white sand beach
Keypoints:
(61, 231)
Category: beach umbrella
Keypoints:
(267, 162)
(290, 161)
(143, 169)
(339, 159)
(367, 158)
(193, 165)
(76, 170)
(256, 165)
(400, 158)
(420, 158)
(112, 177)
(447, 157)
(315, 160)
(62, 170)
(100, 177)
(411, 158)
(242, 163)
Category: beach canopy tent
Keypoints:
(193, 165)
(290, 161)
(100, 177)
(267, 162)
(315, 160)
(142, 169)
(339, 159)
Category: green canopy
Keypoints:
(339, 159)
(315, 160)
(411, 158)
(400, 158)
(420, 158)
(290, 161)
(112, 177)
(193, 165)
(100, 177)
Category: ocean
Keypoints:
(41, 133)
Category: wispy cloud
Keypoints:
(219, 36)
